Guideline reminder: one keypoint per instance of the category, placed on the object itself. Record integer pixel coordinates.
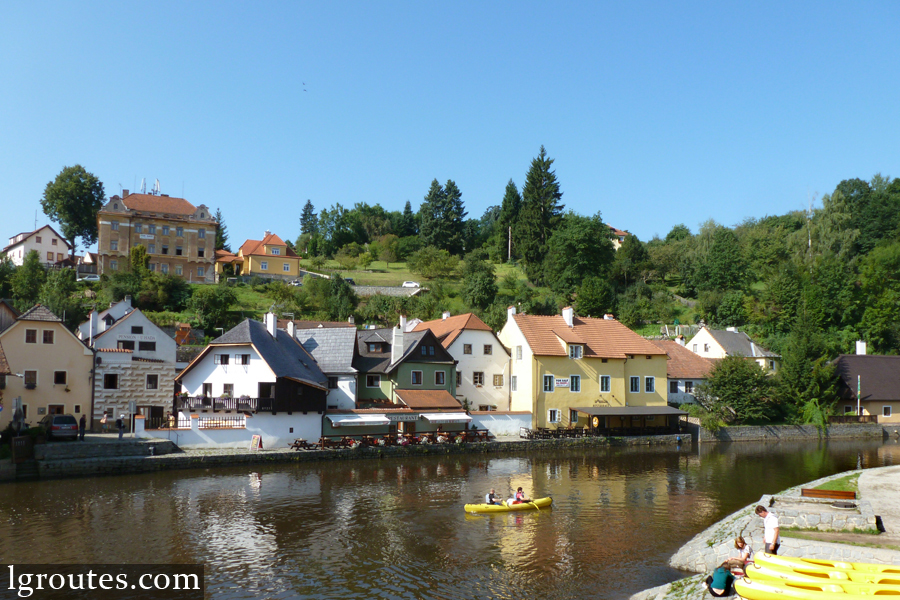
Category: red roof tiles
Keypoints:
(447, 330)
(602, 338)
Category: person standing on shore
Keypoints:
(771, 539)
(120, 425)
(82, 425)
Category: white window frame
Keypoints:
(650, 385)
(276, 251)
(412, 377)
(264, 265)
(886, 411)
(478, 378)
(688, 387)
(576, 351)
(694, 348)
(607, 379)
(376, 378)
(286, 267)
(178, 269)
(221, 359)
(572, 384)
(634, 384)
(114, 245)
(551, 379)
(554, 415)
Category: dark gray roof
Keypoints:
(332, 347)
(380, 362)
(284, 355)
(38, 313)
(879, 376)
(739, 343)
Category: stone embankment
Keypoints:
(771, 433)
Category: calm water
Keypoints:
(396, 528)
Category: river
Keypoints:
(395, 528)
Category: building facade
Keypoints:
(268, 257)
(180, 238)
(50, 246)
(719, 343)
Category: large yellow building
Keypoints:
(573, 371)
(268, 257)
(179, 237)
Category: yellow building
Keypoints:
(572, 371)
(268, 257)
(48, 368)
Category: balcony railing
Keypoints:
(242, 404)
(853, 419)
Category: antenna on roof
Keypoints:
(143, 185)
(156, 188)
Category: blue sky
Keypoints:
(656, 113)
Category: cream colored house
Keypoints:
(719, 343)
(50, 368)
(268, 257)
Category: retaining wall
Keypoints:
(763, 433)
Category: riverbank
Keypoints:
(879, 503)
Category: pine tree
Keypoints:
(540, 214)
(221, 232)
(441, 218)
(308, 221)
(409, 224)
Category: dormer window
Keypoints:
(575, 351)
(276, 251)
(374, 347)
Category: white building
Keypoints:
(719, 343)
(50, 246)
(482, 370)
(333, 348)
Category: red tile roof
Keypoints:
(256, 247)
(602, 338)
(427, 399)
(159, 204)
(447, 330)
(684, 364)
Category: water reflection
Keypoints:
(396, 529)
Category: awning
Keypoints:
(447, 417)
(630, 411)
(358, 420)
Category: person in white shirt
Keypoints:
(771, 539)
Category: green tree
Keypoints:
(632, 261)
(342, 299)
(60, 294)
(221, 233)
(140, 260)
(365, 259)
(595, 297)
(28, 280)
(880, 282)
(7, 270)
(479, 281)
(309, 223)
(737, 389)
(388, 249)
(540, 214)
(678, 232)
(73, 200)
(441, 218)
(432, 263)
(408, 225)
(163, 291)
(723, 267)
(579, 247)
(211, 303)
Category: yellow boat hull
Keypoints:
(820, 575)
(753, 589)
(536, 504)
(790, 562)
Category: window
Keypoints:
(137, 329)
(59, 378)
(165, 230)
(431, 350)
(416, 378)
(771, 365)
(575, 351)
(179, 232)
(221, 359)
(635, 385)
(886, 411)
(77, 408)
(164, 269)
(706, 347)
(242, 359)
(50, 256)
(518, 352)
(59, 257)
(201, 252)
(201, 233)
(151, 228)
(548, 383)
(673, 387)
(488, 349)
(688, 387)
(575, 383)
(54, 242)
(125, 344)
(467, 348)
(31, 336)
(30, 379)
(649, 384)
(48, 336)
(605, 383)
(553, 415)
(848, 409)
(373, 381)
(147, 346)
(179, 251)
(165, 249)
(110, 381)
(114, 225)
(151, 249)
(264, 265)
(178, 269)
(137, 228)
(424, 351)
(276, 251)
(573, 416)
(694, 348)
(152, 382)
(114, 244)
(200, 271)
(498, 380)
(513, 383)
(37, 239)
(458, 379)
(286, 267)
(373, 347)
(439, 377)
(332, 381)
(113, 265)
(478, 378)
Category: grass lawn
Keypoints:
(850, 483)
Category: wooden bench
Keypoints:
(301, 444)
(830, 494)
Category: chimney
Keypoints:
(609, 317)
(124, 193)
(267, 234)
(397, 343)
(510, 312)
(445, 315)
(403, 323)
(92, 328)
(127, 302)
(680, 340)
(567, 315)
(351, 320)
(291, 328)
(732, 329)
(860, 348)
(271, 324)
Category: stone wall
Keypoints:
(785, 432)
(126, 447)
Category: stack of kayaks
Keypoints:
(536, 504)
(782, 577)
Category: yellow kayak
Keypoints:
(790, 562)
(752, 589)
(820, 575)
(537, 503)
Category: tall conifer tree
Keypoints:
(540, 214)
(441, 218)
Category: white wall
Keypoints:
(523, 397)
(501, 423)
(17, 253)
(245, 378)
(165, 345)
(496, 363)
(344, 397)
(274, 429)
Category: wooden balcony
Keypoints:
(242, 404)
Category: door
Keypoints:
(56, 409)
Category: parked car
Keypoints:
(349, 280)
(89, 278)
(60, 426)
(296, 283)
(410, 284)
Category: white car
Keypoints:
(411, 284)
(89, 278)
